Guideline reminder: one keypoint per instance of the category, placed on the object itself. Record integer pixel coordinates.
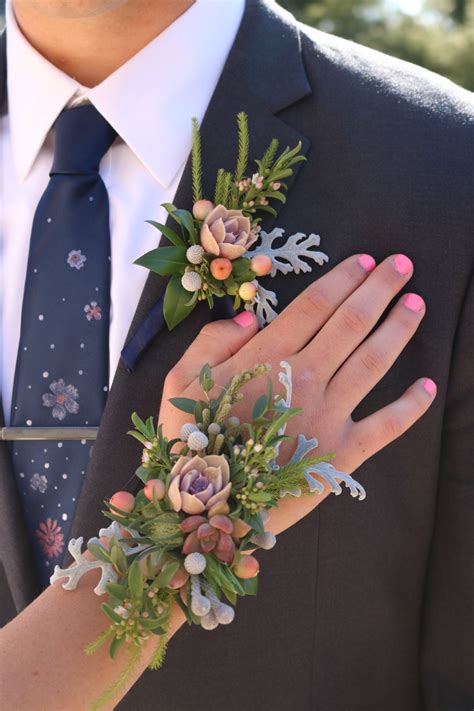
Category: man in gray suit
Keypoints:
(385, 617)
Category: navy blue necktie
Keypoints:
(62, 368)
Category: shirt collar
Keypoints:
(149, 100)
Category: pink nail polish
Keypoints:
(244, 319)
(430, 386)
(403, 265)
(413, 302)
(367, 262)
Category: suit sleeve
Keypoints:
(447, 635)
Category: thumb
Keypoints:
(216, 342)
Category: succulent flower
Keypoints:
(197, 483)
(206, 535)
(226, 233)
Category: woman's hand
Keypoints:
(324, 335)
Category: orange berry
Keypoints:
(202, 208)
(123, 500)
(221, 268)
(261, 264)
(247, 291)
(247, 567)
(154, 485)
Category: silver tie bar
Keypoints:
(48, 433)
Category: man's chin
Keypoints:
(71, 8)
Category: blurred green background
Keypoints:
(437, 34)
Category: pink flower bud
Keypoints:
(179, 579)
(202, 208)
(247, 291)
(123, 500)
(221, 268)
(247, 567)
(261, 264)
(156, 486)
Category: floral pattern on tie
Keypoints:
(63, 399)
(93, 312)
(39, 482)
(76, 259)
(50, 538)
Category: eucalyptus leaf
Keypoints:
(185, 404)
(166, 575)
(99, 552)
(115, 645)
(260, 407)
(135, 580)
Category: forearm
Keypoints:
(42, 659)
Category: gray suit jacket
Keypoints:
(363, 606)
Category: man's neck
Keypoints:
(90, 39)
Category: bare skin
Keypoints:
(90, 39)
(323, 334)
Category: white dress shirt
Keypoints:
(149, 101)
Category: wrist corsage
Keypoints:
(188, 535)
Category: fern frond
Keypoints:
(196, 161)
(223, 185)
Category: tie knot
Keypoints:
(82, 137)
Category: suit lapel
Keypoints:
(251, 81)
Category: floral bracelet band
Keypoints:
(187, 536)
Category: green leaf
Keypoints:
(255, 520)
(170, 234)
(118, 557)
(260, 407)
(176, 303)
(205, 378)
(135, 580)
(139, 424)
(260, 496)
(116, 590)
(110, 612)
(164, 260)
(230, 595)
(187, 220)
(241, 270)
(250, 585)
(185, 404)
(115, 645)
(99, 552)
(163, 579)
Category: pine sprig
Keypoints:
(96, 643)
(159, 653)
(223, 184)
(134, 653)
(269, 155)
(244, 142)
(292, 475)
(196, 161)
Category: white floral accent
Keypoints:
(62, 400)
(82, 565)
(76, 259)
(39, 482)
(289, 256)
(262, 305)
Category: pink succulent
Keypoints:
(206, 535)
(226, 233)
(198, 483)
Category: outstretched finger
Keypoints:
(376, 431)
(216, 342)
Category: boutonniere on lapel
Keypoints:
(188, 535)
(218, 248)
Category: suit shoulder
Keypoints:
(372, 77)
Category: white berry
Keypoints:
(197, 441)
(195, 563)
(191, 281)
(186, 430)
(194, 254)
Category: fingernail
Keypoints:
(430, 386)
(413, 302)
(244, 319)
(367, 262)
(403, 265)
